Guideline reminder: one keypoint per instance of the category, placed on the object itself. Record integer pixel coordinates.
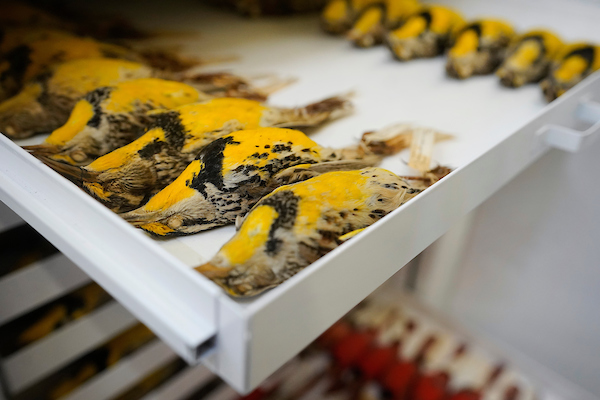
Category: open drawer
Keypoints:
(498, 133)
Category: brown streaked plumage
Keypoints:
(24, 62)
(528, 58)
(28, 53)
(297, 224)
(479, 48)
(339, 15)
(371, 25)
(573, 64)
(111, 117)
(426, 33)
(125, 178)
(232, 173)
(45, 103)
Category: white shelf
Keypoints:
(183, 385)
(37, 284)
(499, 132)
(40, 359)
(129, 371)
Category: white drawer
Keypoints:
(499, 132)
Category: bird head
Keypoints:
(264, 250)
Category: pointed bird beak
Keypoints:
(73, 173)
(139, 217)
(42, 149)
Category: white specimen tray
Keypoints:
(498, 133)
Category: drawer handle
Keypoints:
(574, 140)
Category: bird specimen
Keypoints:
(45, 103)
(479, 48)
(427, 33)
(411, 30)
(372, 23)
(339, 15)
(111, 117)
(573, 63)
(125, 178)
(528, 58)
(232, 173)
(27, 52)
(35, 47)
(21, 64)
(296, 224)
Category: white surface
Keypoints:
(257, 336)
(64, 345)
(572, 139)
(183, 385)
(531, 273)
(37, 284)
(125, 374)
(439, 263)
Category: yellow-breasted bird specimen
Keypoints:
(111, 117)
(26, 37)
(127, 177)
(372, 23)
(339, 15)
(232, 173)
(528, 58)
(479, 48)
(296, 224)
(45, 103)
(426, 33)
(26, 61)
(21, 64)
(573, 63)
